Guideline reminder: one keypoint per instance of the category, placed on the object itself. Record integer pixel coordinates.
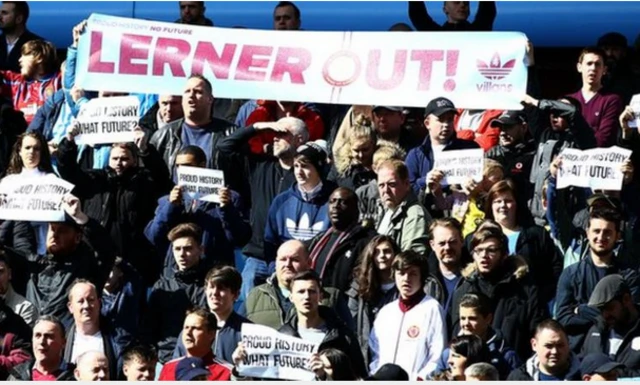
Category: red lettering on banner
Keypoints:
(426, 58)
(218, 64)
(295, 69)
(128, 52)
(373, 70)
(249, 58)
(95, 53)
(163, 55)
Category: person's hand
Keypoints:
(175, 196)
(624, 119)
(73, 130)
(434, 177)
(627, 170)
(316, 366)
(469, 186)
(555, 165)
(78, 30)
(76, 93)
(225, 196)
(140, 139)
(529, 51)
(71, 206)
(529, 101)
(239, 354)
(53, 148)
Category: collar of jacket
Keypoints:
(529, 145)
(409, 200)
(514, 267)
(327, 314)
(573, 373)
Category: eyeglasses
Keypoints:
(490, 251)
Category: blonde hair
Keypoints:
(491, 166)
(387, 151)
(361, 129)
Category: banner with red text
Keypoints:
(478, 70)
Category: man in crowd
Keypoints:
(139, 363)
(599, 367)
(192, 12)
(222, 288)
(389, 123)
(268, 177)
(198, 335)
(578, 281)
(335, 252)
(286, 17)
(600, 108)
(619, 77)
(415, 317)
(269, 304)
(13, 23)
(404, 219)
(13, 300)
(171, 297)
(552, 359)
(617, 336)
(88, 333)
(457, 13)
(48, 347)
(167, 112)
(92, 366)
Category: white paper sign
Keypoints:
(598, 168)
(201, 183)
(635, 106)
(275, 355)
(108, 120)
(33, 199)
(459, 165)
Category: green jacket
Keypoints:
(263, 306)
(410, 226)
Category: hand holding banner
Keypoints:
(200, 183)
(598, 168)
(33, 199)
(108, 120)
(274, 355)
(458, 165)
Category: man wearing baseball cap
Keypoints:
(619, 335)
(389, 123)
(515, 150)
(599, 367)
(438, 120)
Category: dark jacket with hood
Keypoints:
(339, 337)
(123, 204)
(293, 215)
(576, 286)
(12, 124)
(169, 300)
(352, 178)
(338, 268)
(517, 162)
(24, 372)
(10, 60)
(423, 22)
(628, 353)
(267, 179)
(15, 340)
(501, 356)
(531, 372)
(517, 309)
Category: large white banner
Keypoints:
(481, 70)
(33, 199)
(108, 120)
(275, 355)
(598, 168)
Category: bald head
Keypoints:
(292, 258)
(92, 366)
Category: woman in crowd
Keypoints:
(526, 239)
(373, 286)
(333, 365)
(464, 351)
(353, 162)
(30, 158)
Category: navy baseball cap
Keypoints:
(598, 363)
(439, 106)
(189, 368)
(509, 118)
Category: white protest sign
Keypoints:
(201, 183)
(598, 168)
(108, 120)
(275, 355)
(458, 165)
(33, 199)
(635, 106)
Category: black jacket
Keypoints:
(338, 337)
(517, 309)
(50, 277)
(16, 351)
(436, 288)
(338, 272)
(23, 372)
(10, 60)
(267, 179)
(628, 354)
(517, 162)
(355, 176)
(112, 349)
(423, 22)
(168, 303)
(531, 372)
(12, 124)
(122, 204)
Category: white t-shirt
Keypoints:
(315, 335)
(615, 340)
(82, 344)
(385, 223)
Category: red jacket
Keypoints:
(485, 136)
(266, 112)
(28, 95)
(218, 372)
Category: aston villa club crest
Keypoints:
(413, 331)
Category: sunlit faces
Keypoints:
(552, 349)
(392, 189)
(84, 303)
(196, 336)
(488, 256)
(120, 160)
(30, 152)
(441, 128)
(446, 243)
(383, 258)
(187, 252)
(408, 281)
(504, 208)
(305, 296)
(362, 150)
(603, 236)
(592, 69)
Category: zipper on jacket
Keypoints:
(395, 352)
